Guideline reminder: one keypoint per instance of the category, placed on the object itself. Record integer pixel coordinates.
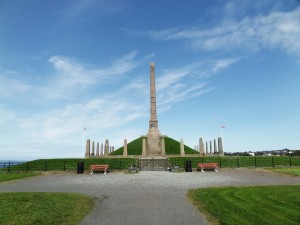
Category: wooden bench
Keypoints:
(104, 168)
(212, 166)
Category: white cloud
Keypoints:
(276, 30)
(96, 114)
(72, 74)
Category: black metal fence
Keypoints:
(64, 164)
(123, 163)
(241, 161)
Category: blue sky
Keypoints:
(66, 65)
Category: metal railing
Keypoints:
(123, 163)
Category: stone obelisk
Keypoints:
(153, 136)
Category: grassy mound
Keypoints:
(249, 205)
(133, 148)
(172, 147)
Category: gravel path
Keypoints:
(146, 198)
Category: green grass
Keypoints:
(249, 205)
(290, 171)
(9, 176)
(43, 208)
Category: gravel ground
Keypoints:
(145, 198)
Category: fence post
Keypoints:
(27, 167)
(46, 165)
(255, 162)
(64, 165)
(238, 163)
(8, 169)
(290, 159)
(273, 161)
(120, 164)
(220, 161)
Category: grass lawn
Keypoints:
(290, 171)
(43, 208)
(249, 205)
(5, 177)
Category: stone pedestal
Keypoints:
(153, 142)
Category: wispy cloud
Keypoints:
(184, 83)
(96, 114)
(73, 73)
(276, 30)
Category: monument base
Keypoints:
(154, 142)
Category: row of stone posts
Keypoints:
(210, 148)
(218, 150)
(103, 150)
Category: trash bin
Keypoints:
(80, 167)
(188, 166)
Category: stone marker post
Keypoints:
(101, 150)
(87, 148)
(97, 149)
(201, 146)
(144, 150)
(93, 148)
(106, 148)
(182, 152)
(125, 154)
(220, 146)
(163, 148)
(215, 146)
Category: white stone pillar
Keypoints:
(101, 150)
(87, 149)
(97, 149)
(93, 148)
(220, 146)
(125, 153)
(144, 150)
(182, 152)
(201, 146)
(106, 148)
(163, 149)
(215, 146)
